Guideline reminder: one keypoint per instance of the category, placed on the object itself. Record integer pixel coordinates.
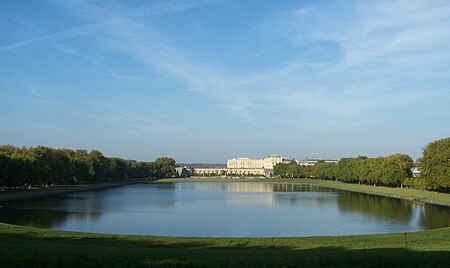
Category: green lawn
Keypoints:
(32, 247)
(411, 194)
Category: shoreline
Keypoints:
(414, 195)
(62, 189)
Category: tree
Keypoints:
(98, 165)
(435, 164)
(280, 170)
(164, 167)
(43, 165)
(117, 169)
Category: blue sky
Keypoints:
(203, 81)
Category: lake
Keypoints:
(231, 209)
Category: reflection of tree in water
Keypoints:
(51, 211)
(295, 199)
(432, 216)
(375, 206)
(285, 187)
(87, 206)
(320, 196)
(43, 218)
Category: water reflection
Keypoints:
(268, 194)
(224, 209)
(45, 218)
(375, 206)
(431, 216)
(51, 212)
(252, 187)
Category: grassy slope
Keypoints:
(411, 194)
(25, 246)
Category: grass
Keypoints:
(404, 193)
(27, 246)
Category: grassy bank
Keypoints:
(25, 246)
(442, 199)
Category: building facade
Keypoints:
(244, 166)
(245, 162)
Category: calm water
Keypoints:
(225, 210)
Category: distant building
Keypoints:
(245, 162)
(183, 172)
(266, 163)
(312, 162)
(415, 172)
(244, 166)
(257, 166)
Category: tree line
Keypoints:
(38, 166)
(393, 171)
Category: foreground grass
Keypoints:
(404, 193)
(32, 247)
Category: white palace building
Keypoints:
(266, 163)
(245, 166)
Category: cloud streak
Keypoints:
(58, 36)
(147, 45)
(65, 49)
(389, 51)
(382, 56)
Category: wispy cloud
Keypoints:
(134, 78)
(65, 49)
(148, 46)
(33, 89)
(383, 56)
(124, 116)
(164, 7)
(390, 52)
(52, 37)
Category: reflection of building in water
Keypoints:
(229, 171)
(235, 187)
(279, 194)
(250, 187)
(261, 199)
(257, 187)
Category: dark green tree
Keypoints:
(164, 167)
(117, 169)
(435, 164)
(98, 165)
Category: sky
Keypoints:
(207, 80)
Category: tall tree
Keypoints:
(99, 165)
(435, 164)
(164, 167)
